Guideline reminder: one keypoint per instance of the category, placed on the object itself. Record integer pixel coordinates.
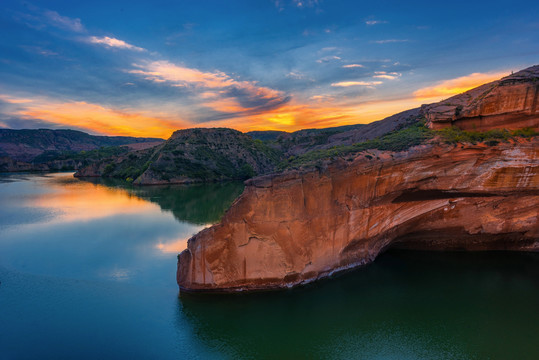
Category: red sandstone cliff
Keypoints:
(295, 227)
(510, 103)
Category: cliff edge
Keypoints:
(508, 103)
(294, 227)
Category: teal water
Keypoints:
(87, 270)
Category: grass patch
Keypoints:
(403, 139)
(398, 140)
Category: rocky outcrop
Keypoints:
(299, 226)
(7, 164)
(509, 103)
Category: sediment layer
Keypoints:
(299, 226)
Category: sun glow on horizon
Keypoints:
(318, 112)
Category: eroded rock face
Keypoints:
(296, 227)
(509, 103)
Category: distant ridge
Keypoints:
(26, 144)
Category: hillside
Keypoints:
(191, 155)
(25, 145)
(303, 141)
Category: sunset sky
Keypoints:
(127, 68)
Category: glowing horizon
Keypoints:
(97, 119)
(69, 67)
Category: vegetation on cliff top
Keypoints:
(220, 154)
(82, 156)
(404, 138)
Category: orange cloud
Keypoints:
(228, 105)
(386, 75)
(324, 111)
(448, 88)
(163, 71)
(290, 117)
(113, 43)
(242, 105)
(356, 83)
(12, 100)
(220, 84)
(99, 119)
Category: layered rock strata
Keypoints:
(509, 103)
(296, 227)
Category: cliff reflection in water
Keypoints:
(198, 204)
(405, 305)
(57, 225)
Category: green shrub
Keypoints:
(246, 171)
(108, 169)
(525, 132)
(402, 139)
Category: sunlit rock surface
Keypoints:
(509, 103)
(295, 227)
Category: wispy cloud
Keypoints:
(39, 19)
(305, 3)
(350, 66)
(387, 75)
(177, 75)
(227, 94)
(356, 83)
(322, 98)
(113, 43)
(39, 50)
(14, 100)
(64, 22)
(296, 75)
(375, 22)
(326, 59)
(389, 41)
(446, 88)
(329, 48)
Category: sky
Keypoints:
(148, 68)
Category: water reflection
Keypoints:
(198, 204)
(406, 305)
(57, 225)
(87, 271)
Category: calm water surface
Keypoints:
(87, 271)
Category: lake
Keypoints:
(87, 270)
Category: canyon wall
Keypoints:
(509, 103)
(299, 226)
